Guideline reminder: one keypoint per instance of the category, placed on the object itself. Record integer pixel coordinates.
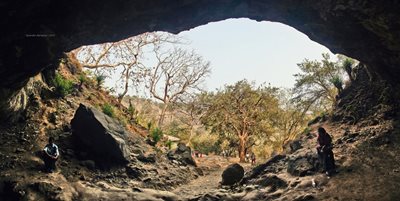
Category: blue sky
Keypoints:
(258, 51)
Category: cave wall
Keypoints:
(34, 34)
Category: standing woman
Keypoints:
(325, 153)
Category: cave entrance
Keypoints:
(238, 49)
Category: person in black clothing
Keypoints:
(324, 149)
(50, 155)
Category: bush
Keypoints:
(156, 135)
(108, 110)
(82, 79)
(337, 81)
(168, 144)
(100, 80)
(62, 86)
(149, 125)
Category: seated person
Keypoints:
(50, 155)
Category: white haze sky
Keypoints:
(264, 52)
(258, 51)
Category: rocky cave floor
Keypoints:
(367, 159)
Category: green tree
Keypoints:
(289, 121)
(314, 87)
(241, 110)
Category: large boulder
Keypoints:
(303, 164)
(101, 136)
(232, 174)
(182, 154)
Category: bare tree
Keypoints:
(176, 73)
(123, 57)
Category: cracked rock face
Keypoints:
(34, 34)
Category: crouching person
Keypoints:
(50, 155)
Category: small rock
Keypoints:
(146, 180)
(19, 150)
(133, 172)
(82, 178)
(151, 158)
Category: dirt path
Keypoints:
(212, 166)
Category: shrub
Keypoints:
(149, 125)
(100, 80)
(132, 111)
(82, 79)
(108, 110)
(337, 81)
(156, 135)
(62, 86)
(347, 66)
(168, 144)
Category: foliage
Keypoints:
(62, 86)
(206, 143)
(242, 111)
(288, 121)
(314, 88)
(177, 129)
(108, 110)
(175, 72)
(347, 65)
(156, 134)
(82, 79)
(337, 81)
(168, 144)
(100, 80)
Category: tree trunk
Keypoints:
(162, 115)
(242, 149)
(121, 96)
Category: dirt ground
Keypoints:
(212, 167)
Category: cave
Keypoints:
(35, 34)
